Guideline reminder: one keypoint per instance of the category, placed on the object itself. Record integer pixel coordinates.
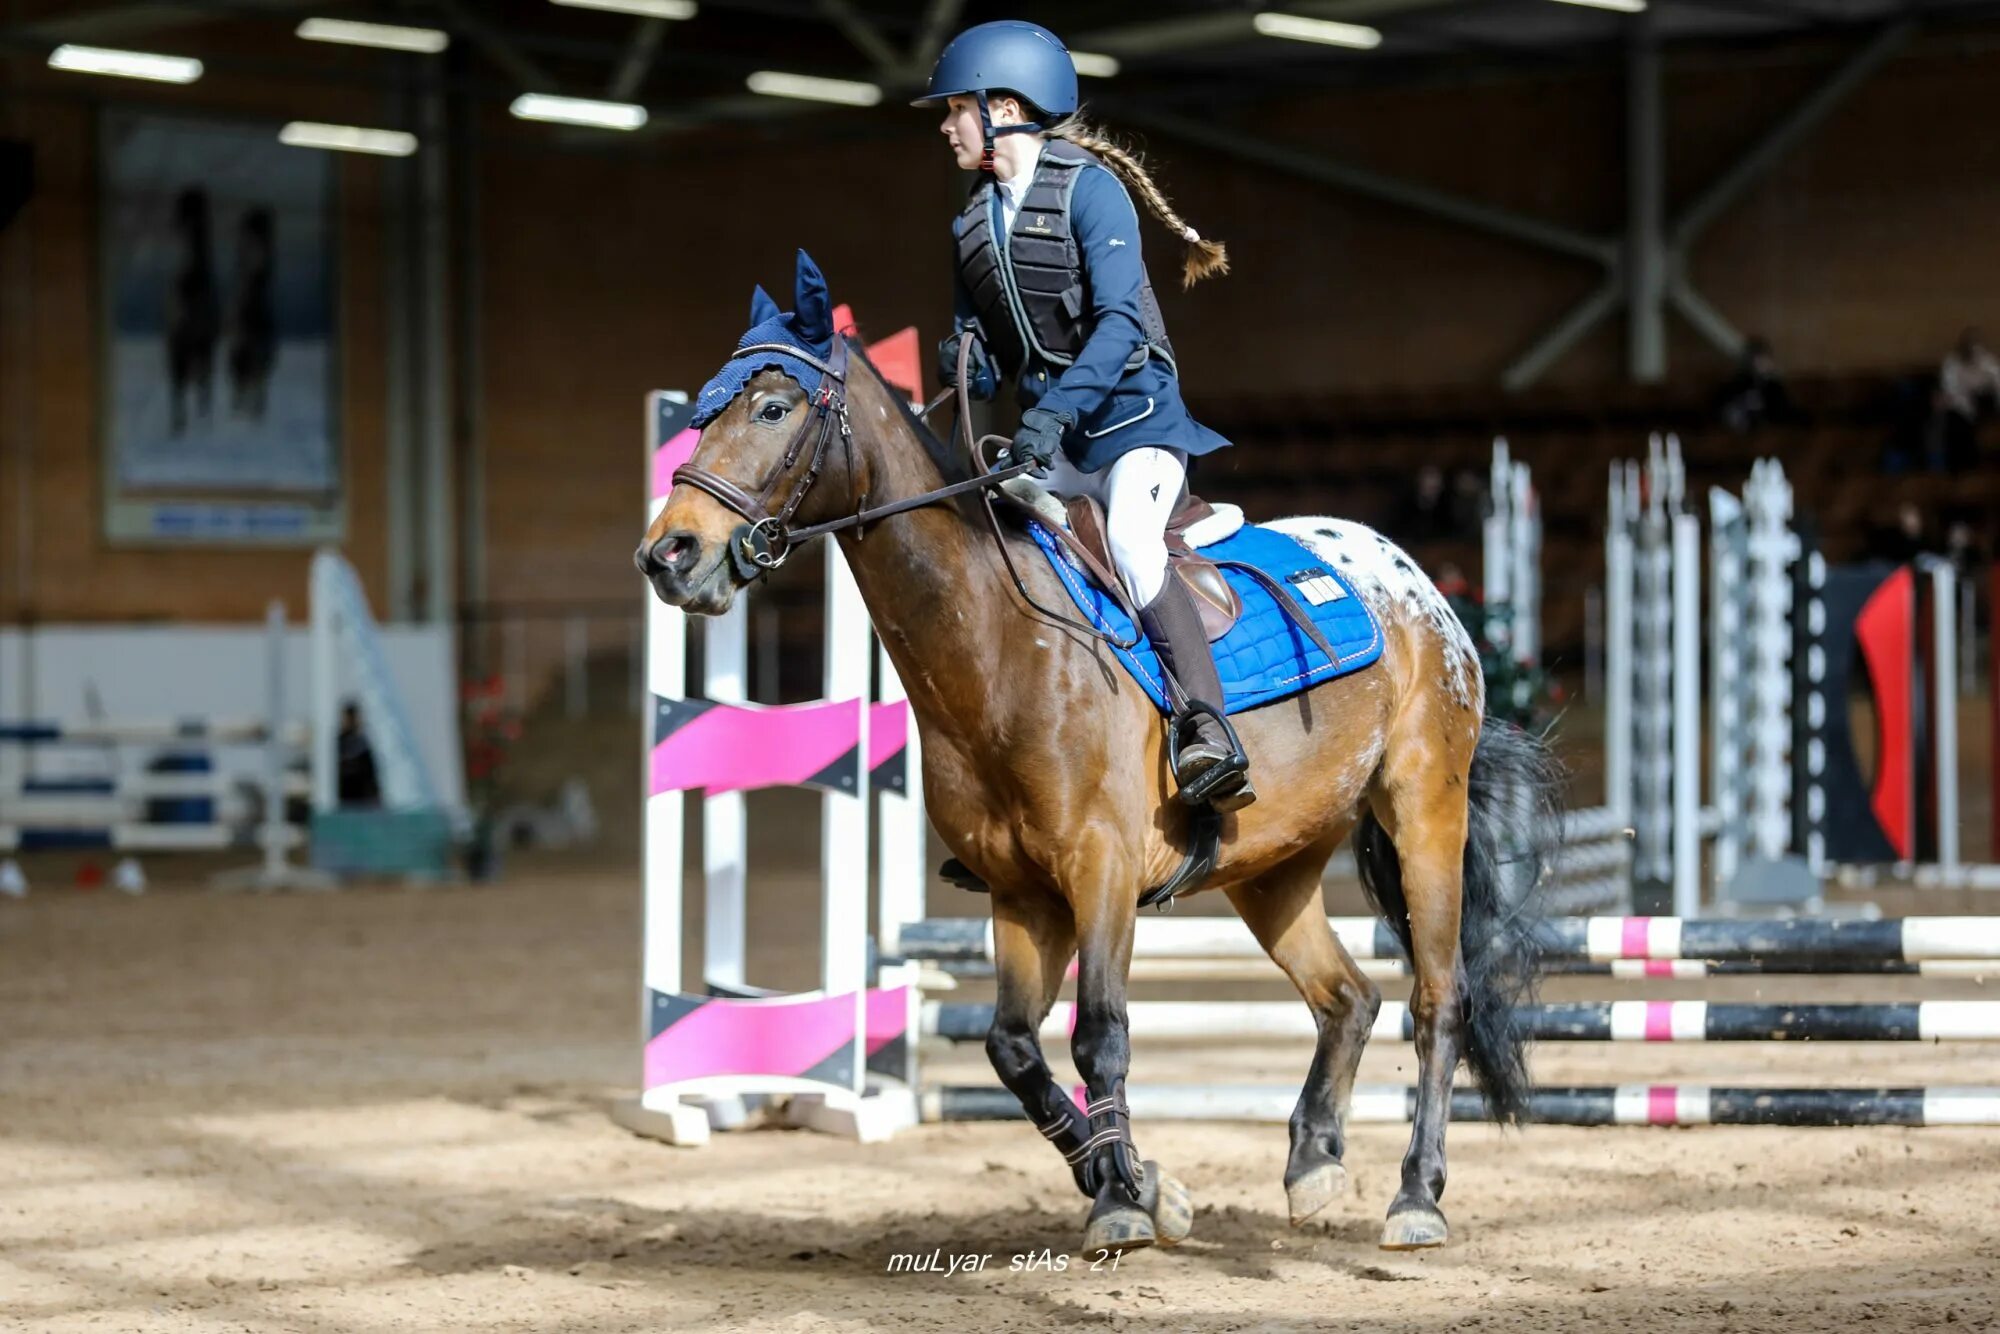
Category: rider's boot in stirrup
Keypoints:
(1209, 763)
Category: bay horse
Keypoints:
(1045, 769)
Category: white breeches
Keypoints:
(1138, 492)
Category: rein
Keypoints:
(767, 538)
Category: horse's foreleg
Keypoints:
(1032, 944)
(1136, 1204)
(1284, 910)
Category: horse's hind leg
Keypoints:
(1283, 909)
(1422, 807)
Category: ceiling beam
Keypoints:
(637, 62)
(116, 21)
(860, 31)
(1192, 32)
(520, 68)
(1572, 328)
(1316, 167)
(1787, 133)
(940, 17)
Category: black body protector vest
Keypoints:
(1028, 287)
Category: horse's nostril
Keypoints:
(677, 552)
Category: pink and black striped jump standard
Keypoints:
(842, 1054)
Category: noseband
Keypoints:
(767, 537)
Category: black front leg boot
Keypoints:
(1209, 763)
(1119, 1218)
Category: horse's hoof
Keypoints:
(1315, 1190)
(1116, 1228)
(1167, 1202)
(1414, 1227)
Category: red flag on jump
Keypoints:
(900, 362)
(898, 356)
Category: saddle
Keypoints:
(1276, 571)
(1213, 597)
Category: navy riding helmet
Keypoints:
(1009, 56)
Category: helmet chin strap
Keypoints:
(989, 132)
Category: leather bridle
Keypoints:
(766, 538)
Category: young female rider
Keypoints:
(1051, 288)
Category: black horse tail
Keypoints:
(1514, 828)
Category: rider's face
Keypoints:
(960, 128)
(960, 125)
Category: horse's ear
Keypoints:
(812, 310)
(762, 308)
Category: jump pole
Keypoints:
(948, 976)
(1570, 939)
(1609, 1105)
(1585, 1021)
(94, 818)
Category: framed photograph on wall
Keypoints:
(219, 361)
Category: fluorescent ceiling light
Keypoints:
(772, 83)
(1324, 31)
(423, 41)
(1093, 66)
(348, 138)
(651, 9)
(125, 64)
(1622, 6)
(579, 111)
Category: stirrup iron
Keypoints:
(1202, 786)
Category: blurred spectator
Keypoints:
(1468, 503)
(1755, 395)
(1962, 549)
(1968, 389)
(1902, 541)
(1909, 407)
(1426, 516)
(358, 783)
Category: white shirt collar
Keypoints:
(1017, 186)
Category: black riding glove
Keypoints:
(979, 379)
(1040, 437)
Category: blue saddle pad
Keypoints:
(1264, 657)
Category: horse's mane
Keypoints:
(949, 464)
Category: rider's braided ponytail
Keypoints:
(1204, 258)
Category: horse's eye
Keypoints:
(774, 411)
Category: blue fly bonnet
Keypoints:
(808, 328)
